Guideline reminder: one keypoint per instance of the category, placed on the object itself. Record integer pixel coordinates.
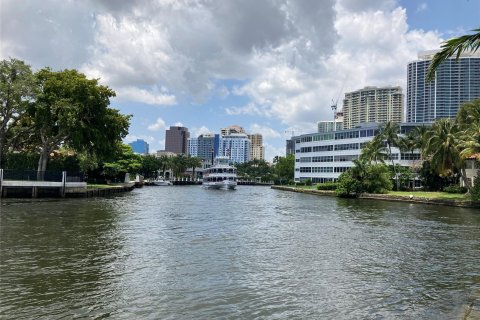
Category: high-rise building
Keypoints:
(257, 150)
(231, 129)
(456, 82)
(329, 126)
(236, 146)
(202, 147)
(372, 104)
(176, 139)
(139, 146)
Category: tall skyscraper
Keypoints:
(202, 147)
(257, 150)
(236, 146)
(176, 139)
(139, 146)
(455, 83)
(372, 104)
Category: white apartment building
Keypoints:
(322, 157)
(236, 146)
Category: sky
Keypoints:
(271, 66)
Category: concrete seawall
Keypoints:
(387, 197)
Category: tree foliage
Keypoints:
(284, 167)
(455, 46)
(364, 177)
(74, 111)
(17, 90)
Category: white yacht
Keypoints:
(221, 175)
(162, 182)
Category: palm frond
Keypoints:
(455, 46)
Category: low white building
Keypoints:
(322, 157)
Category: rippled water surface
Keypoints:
(253, 253)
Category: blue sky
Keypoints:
(271, 66)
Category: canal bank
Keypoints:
(389, 197)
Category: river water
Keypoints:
(185, 252)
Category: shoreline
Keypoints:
(387, 197)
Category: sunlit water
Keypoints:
(184, 252)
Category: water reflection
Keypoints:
(57, 259)
(187, 252)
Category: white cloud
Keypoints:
(178, 124)
(422, 7)
(149, 97)
(272, 151)
(157, 126)
(292, 57)
(249, 109)
(131, 137)
(266, 132)
(195, 132)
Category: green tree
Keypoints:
(374, 150)
(285, 167)
(150, 166)
(452, 47)
(179, 165)
(468, 121)
(74, 111)
(390, 132)
(443, 149)
(165, 164)
(17, 89)
(377, 179)
(126, 161)
(194, 162)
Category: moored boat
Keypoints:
(162, 182)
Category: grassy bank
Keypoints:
(436, 198)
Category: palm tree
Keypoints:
(165, 164)
(421, 136)
(452, 47)
(468, 121)
(194, 162)
(389, 133)
(374, 150)
(443, 149)
(179, 165)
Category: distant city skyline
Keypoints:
(271, 67)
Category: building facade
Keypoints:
(236, 146)
(231, 129)
(322, 157)
(203, 147)
(139, 146)
(176, 139)
(455, 83)
(257, 150)
(372, 104)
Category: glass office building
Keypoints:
(456, 82)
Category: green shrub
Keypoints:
(327, 186)
(308, 182)
(455, 188)
(300, 183)
(475, 191)
(377, 179)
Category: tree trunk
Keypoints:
(42, 163)
(463, 172)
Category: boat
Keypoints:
(221, 175)
(162, 182)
